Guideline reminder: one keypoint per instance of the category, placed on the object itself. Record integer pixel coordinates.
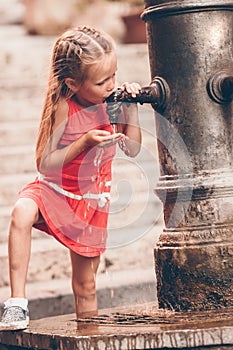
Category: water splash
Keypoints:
(92, 267)
(114, 128)
(98, 156)
(123, 146)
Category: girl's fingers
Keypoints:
(111, 140)
(132, 88)
(102, 133)
(114, 136)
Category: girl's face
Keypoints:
(100, 82)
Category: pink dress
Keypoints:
(74, 199)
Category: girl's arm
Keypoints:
(53, 157)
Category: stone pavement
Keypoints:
(140, 327)
(136, 218)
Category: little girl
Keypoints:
(69, 199)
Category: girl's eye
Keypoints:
(105, 81)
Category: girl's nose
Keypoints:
(111, 85)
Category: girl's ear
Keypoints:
(72, 84)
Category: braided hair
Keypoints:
(73, 51)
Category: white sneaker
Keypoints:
(14, 317)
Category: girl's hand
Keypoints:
(131, 88)
(95, 137)
(130, 110)
(129, 120)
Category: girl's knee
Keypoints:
(24, 213)
(83, 276)
(85, 288)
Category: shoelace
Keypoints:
(13, 313)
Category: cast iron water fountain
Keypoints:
(190, 47)
(191, 59)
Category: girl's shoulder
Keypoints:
(62, 112)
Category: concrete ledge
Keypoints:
(139, 327)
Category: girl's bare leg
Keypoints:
(84, 271)
(24, 215)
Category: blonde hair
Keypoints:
(73, 52)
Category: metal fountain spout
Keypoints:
(157, 94)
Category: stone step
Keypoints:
(4, 223)
(135, 327)
(10, 184)
(17, 159)
(33, 66)
(18, 134)
(27, 105)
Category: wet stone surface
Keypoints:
(139, 327)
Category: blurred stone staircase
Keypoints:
(24, 62)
